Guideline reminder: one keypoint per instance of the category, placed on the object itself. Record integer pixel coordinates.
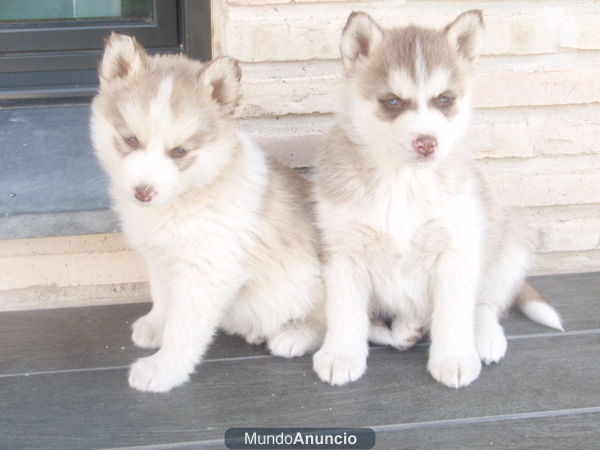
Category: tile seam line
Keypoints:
(255, 357)
(120, 367)
(172, 445)
(412, 425)
(487, 419)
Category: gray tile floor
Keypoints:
(63, 384)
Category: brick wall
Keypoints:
(536, 122)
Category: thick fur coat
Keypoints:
(225, 231)
(412, 238)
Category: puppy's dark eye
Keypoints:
(392, 102)
(178, 152)
(445, 99)
(132, 141)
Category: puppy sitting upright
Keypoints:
(410, 231)
(225, 231)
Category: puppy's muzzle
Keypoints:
(425, 145)
(144, 193)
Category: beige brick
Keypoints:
(68, 261)
(545, 181)
(521, 35)
(286, 126)
(526, 189)
(44, 297)
(280, 41)
(582, 33)
(550, 165)
(21, 272)
(571, 234)
(294, 140)
(312, 31)
(294, 88)
(565, 138)
(524, 132)
(566, 228)
(566, 262)
(63, 245)
(524, 88)
(294, 151)
(548, 214)
(499, 140)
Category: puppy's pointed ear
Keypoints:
(123, 56)
(361, 36)
(222, 79)
(465, 35)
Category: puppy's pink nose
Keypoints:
(425, 145)
(144, 193)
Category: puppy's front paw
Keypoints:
(147, 332)
(151, 374)
(338, 369)
(455, 371)
(491, 343)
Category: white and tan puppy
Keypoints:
(225, 232)
(410, 231)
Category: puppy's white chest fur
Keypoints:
(406, 209)
(403, 205)
(413, 219)
(172, 232)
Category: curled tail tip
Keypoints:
(537, 308)
(542, 313)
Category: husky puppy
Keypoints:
(225, 231)
(410, 231)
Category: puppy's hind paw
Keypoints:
(254, 338)
(292, 341)
(405, 337)
(147, 333)
(338, 369)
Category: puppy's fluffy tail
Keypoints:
(536, 308)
